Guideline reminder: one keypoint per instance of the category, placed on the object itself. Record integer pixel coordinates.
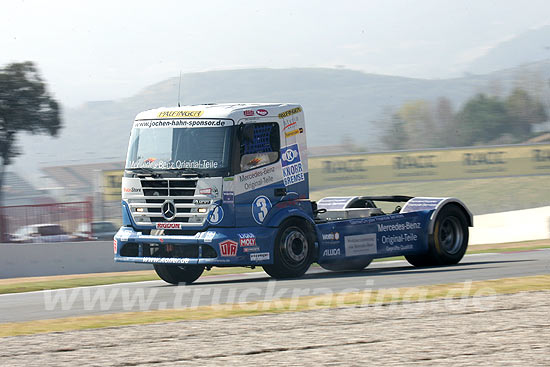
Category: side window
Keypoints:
(260, 145)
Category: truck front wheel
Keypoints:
(175, 274)
(293, 251)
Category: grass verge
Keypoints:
(20, 285)
(362, 298)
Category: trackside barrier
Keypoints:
(514, 226)
(43, 259)
(62, 258)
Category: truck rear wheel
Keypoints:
(293, 251)
(354, 265)
(449, 241)
(175, 274)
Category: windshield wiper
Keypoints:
(194, 171)
(144, 170)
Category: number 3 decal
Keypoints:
(260, 208)
(216, 216)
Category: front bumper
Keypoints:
(245, 246)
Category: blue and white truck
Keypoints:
(227, 185)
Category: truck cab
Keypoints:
(227, 185)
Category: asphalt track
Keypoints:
(155, 295)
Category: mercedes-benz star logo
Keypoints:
(168, 210)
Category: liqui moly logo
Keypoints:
(247, 239)
(228, 248)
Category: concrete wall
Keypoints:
(513, 226)
(26, 260)
(42, 259)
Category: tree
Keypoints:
(523, 111)
(395, 136)
(25, 105)
(444, 124)
(481, 119)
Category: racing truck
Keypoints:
(227, 185)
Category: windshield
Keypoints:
(166, 148)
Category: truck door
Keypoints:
(259, 184)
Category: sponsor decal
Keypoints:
(115, 245)
(398, 226)
(212, 191)
(180, 114)
(178, 164)
(205, 236)
(331, 236)
(405, 237)
(228, 197)
(288, 134)
(208, 236)
(290, 155)
(260, 208)
(257, 178)
(414, 162)
(260, 256)
(228, 248)
(291, 112)
(132, 190)
(345, 166)
(362, 244)
(293, 170)
(165, 260)
(289, 124)
(247, 239)
(418, 204)
(216, 216)
(399, 248)
(477, 158)
(332, 252)
(248, 113)
(262, 112)
(540, 155)
(179, 123)
(201, 201)
(251, 249)
(168, 225)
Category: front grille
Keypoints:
(179, 190)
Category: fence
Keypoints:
(68, 215)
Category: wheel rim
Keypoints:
(451, 235)
(295, 246)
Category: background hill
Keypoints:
(339, 104)
(527, 47)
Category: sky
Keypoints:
(102, 50)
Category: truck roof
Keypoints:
(234, 111)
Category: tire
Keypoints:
(354, 265)
(175, 274)
(292, 252)
(449, 241)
